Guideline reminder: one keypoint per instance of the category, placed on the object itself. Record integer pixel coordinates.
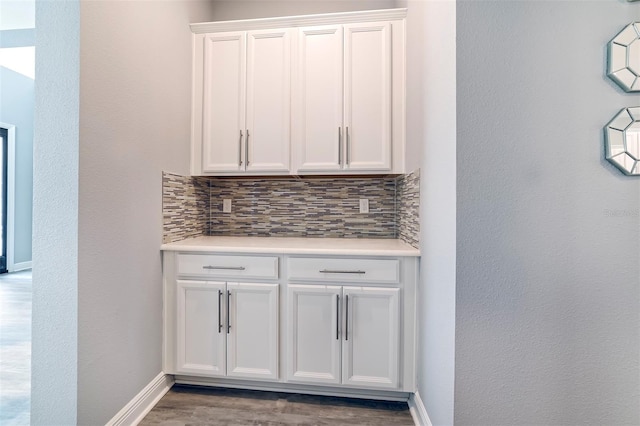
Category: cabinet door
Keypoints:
(268, 100)
(368, 96)
(223, 100)
(371, 338)
(252, 341)
(200, 335)
(318, 99)
(313, 333)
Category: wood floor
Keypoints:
(187, 405)
(15, 348)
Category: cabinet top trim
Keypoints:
(300, 21)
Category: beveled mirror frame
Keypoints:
(622, 141)
(624, 47)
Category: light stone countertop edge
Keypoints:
(287, 245)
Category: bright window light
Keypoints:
(17, 14)
(19, 59)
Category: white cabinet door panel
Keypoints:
(268, 100)
(313, 333)
(223, 101)
(253, 330)
(371, 341)
(318, 110)
(368, 96)
(200, 339)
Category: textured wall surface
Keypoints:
(54, 355)
(548, 289)
(135, 95)
(408, 208)
(185, 207)
(431, 143)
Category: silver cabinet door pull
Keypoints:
(346, 317)
(226, 268)
(228, 310)
(348, 147)
(329, 271)
(337, 317)
(240, 150)
(246, 151)
(339, 146)
(219, 311)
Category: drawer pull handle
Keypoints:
(226, 268)
(329, 271)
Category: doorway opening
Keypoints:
(4, 149)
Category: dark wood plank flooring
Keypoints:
(190, 405)
(15, 348)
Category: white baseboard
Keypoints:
(19, 266)
(418, 411)
(143, 402)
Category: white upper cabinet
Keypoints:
(242, 120)
(318, 104)
(268, 101)
(367, 96)
(342, 95)
(223, 102)
(317, 94)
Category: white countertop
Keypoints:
(285, 245)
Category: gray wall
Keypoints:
(548, 289)
(54, 379)
(103, 137)
(431, 145)
(135, 98)
(16, 107)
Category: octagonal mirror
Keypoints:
(622, 141)
(623, 65)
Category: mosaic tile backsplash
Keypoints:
(185, 207)
(292, 207)
(315, 207)
(408, 208)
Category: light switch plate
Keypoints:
(226, 206)
(364, 205)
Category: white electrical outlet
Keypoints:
(364, 205)
(226, 206)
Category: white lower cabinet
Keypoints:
(325, 324)
(344, 335)
(227, 329)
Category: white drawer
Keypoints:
(211, 265)
(344, 270)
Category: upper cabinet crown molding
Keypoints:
(300, 21)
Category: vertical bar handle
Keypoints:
(339, 145)
(348, 146)
(219, 311)
(228, 310)
(337, 317)
(346, 317)
(240, 149)
(246, 151)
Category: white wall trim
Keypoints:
(19, 266)
(11, 195)
(418, 411)
(143, 402)
(300, 21)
